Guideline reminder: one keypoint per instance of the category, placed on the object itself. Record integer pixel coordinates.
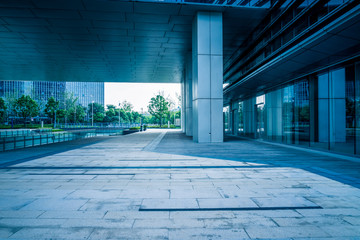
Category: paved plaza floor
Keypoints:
(159, 184)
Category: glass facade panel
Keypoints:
(288, 114)
(320, 111)
(260, 117)
(343, 110)
(357, 108)
(226, 112)
(241, 119)
(302, 113)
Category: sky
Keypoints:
(139, 94)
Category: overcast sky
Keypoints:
(139, 94)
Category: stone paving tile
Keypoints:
(285, 232)
(200, 193)
(7, 203)
(116, 234)
(342, 231)
(100, 194)
(226, 203)
(7, 232)
(73, 214)
(169, 223)
(352, 220)
(169, 204)
(205, 234)
(52, 233)
(54, 204)
(20, 214)
(239, 223)
(111, 205)
(136, 215)
(102, 223)
(33, 222)
(284, 202)
(330, 212)
(267, 213)
(202, 214)
(311, 221)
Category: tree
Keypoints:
(98, 111)
(2, 110)
(26, 107)
(77, 113)
(68, 105)
(51, 107)
(158, 107)
(10, 100)
(126, 106)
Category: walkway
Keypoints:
(153, 185)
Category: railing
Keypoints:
(22, 132)
(98, 125)
(16, 142)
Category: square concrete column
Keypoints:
(182, 113)
(207, 59)
(188, 96)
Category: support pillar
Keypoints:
(188, 96)
(207, 58)
(182, 113)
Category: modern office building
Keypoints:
(41, 91)
(12, 89)
(282, 70)
(87, 92)
(296, 79)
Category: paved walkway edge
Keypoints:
(151, 146)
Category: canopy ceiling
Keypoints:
(107, 41)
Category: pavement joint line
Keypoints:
(140, 167)
(226, 209)
(151, 146)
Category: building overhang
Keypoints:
(107, 41)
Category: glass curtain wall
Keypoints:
(320, 111)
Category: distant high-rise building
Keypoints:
(87, 92)
(41, 91)
(12, 89)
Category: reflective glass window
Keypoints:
(241, 118)
(226, 112)
(288, 102)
